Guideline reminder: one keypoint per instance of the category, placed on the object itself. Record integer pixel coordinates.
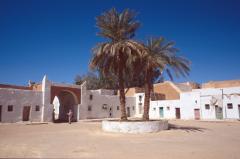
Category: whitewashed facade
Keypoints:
(203, 104)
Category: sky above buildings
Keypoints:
(55, 37)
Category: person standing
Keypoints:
(70, 115)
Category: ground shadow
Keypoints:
(63, 121)
(186, 128)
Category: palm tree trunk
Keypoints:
(147, 87)
(121, 91)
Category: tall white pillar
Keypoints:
(46, 99)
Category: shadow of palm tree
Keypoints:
(186, 128)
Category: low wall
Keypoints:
(134, 126)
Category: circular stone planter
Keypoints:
(134, 126)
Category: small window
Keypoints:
(117, 107)
(140, 98)
(133, 108)
(154, 109)
(90, 96)
(207, 106)
(168, 108)
(89, 108)
(229, 106)
(37, 108)
(10, 108)
(196, 101)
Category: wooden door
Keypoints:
(26, 113)
(161, 112)
(218, 112)
(0, 113)
(178, 114)
(128, 112)
(197, 114)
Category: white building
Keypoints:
(36, 103)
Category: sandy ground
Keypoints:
(187, 139)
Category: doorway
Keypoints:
(239, 110)
(128, 112)
(161, 112)
(178, 114)
(26, 113)
(197, 114)
(66, 101)
(218, 112)
(0, 113)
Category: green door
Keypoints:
(218, 112)
(161, 113)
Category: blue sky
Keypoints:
(50, 37)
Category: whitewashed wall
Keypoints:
(20, 98)
(198, 98)
(229, 96)
(189, 101)
(168, 109)
(100, 98)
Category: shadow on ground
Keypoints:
(186, 128)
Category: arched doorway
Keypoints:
(63, 102)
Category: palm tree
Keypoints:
(160, 56)
(118, 55)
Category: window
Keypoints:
(133, 108)
(140, 98)
(207, 106)
(89, 108)
(196, 101)
(168, 108)
(90, 96)
(10, 108)
(154, 109)
(117, 107)
(229, 106)
(37, 108)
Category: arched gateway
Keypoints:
(68, 99)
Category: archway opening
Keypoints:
(64, 102)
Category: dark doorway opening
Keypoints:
(67, 102)
(178, 113)
(239, 110)
(0, 113)
(26, 113)
(128, 112)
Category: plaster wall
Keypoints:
(169, 107)
(101, 105)
(18, 99)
